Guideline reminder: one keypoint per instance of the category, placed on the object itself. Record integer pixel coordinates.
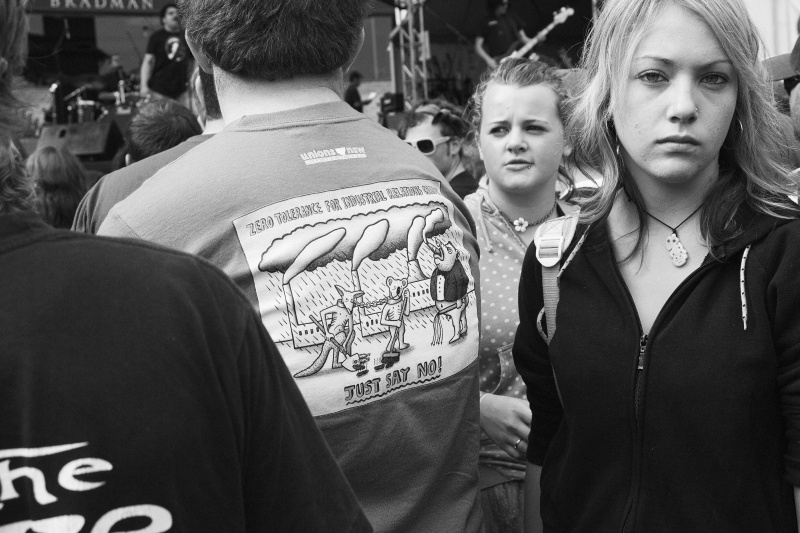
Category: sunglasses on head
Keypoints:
(428, 146)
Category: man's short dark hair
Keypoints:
(159, 126)
(163, 11)
(210, 100)
(275, 39)
(356, 75)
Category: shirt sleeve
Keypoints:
(115, 226)
(152, 44)
(485, 28)
(517, 22)
(532, 360)
(82, 222)
(292, 481)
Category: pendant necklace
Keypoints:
(675, 247)
(521, 224)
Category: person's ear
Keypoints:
(455, 145)
(202, 59)
(567, 149)
(352, 59)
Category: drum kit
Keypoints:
(75, 108)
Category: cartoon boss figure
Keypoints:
(449, 285)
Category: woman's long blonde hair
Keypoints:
(752, 168)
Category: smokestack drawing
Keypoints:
(313, 250)
(416, 237)
(373, 237)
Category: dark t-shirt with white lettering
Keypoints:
(139, 391)
(171, 69)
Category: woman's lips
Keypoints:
(517, 164)
(679, 139)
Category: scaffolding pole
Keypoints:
(414, 50)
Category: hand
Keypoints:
(492, 63)
(506, 421)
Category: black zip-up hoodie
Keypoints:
(706, 436)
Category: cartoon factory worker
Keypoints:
(449, 286)
(393, 315)
(337, 323)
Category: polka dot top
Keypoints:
(502, 253)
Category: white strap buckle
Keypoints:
(549, 250)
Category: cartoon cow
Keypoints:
(393, 315)
(449, 286)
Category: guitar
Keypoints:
(559, 17)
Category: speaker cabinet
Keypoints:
(88, 140)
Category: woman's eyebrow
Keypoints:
(671, 62)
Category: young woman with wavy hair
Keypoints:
(668, 397)
(516, 116)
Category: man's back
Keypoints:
(115, 187)
(334, 228)
(138, 386)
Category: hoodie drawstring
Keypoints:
(482, 225)
(741, 286)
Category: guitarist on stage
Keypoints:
(501, 33)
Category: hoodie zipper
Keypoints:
(639, 373)
(641, 360)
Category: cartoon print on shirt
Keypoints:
(393, 316)
(449, 287)
(337, 323)
(347, 276)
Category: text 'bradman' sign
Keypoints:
(98, 7)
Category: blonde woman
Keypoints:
(668, 398)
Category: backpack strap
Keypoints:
(552, 238)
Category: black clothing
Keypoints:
(138, 381)
(170, 72)
(705, 436)
(353, 97)
(499, 34)
(464, 184)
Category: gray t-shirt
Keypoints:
(115, 187)
(336, 231)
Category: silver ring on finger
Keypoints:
(517, 443)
